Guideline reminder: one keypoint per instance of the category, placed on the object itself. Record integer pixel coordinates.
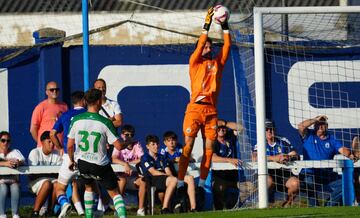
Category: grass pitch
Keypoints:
(317, 212)
(275, 212)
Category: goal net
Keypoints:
(112, 22)
(308, 61)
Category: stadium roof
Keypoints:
(32, 6)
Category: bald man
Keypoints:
(47, 112)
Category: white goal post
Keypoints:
(260, 79)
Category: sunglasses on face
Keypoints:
(54, 89)
(128, 134)
(5, 140)
(270, 129)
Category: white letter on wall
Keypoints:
(303, 75)
(4, 100)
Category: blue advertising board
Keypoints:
(329, 85)
(151, 84)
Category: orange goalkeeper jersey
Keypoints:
(205, 75)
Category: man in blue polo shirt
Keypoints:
(280, 150)
(319, 144)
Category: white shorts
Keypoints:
(35, 185)
(65, 174)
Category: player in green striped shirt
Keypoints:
(90, 132)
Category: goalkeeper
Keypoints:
(201, 113)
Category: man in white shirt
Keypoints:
(109, 108)
(43, 184)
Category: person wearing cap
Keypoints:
(320, 144)
(280, 150)
(355, 148)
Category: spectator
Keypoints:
(320, 144)
(43, 184)
(65, 174)
(47, 112)
(355, 146)
(201, 113)
(130, 155)
(157, 168)
(226, 181)
(109, 108)
(172, 152)
(280, 150)
(91, 132)
(11, 158)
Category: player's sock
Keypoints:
(62, 199)
(96, 200)
(205, 164)
(100, 205)
(184, 161)
(79, 208)
(180, 183)
(89, 202)
(119, 206)
(201, 183)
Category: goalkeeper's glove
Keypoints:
(208, 19)
(225, 25)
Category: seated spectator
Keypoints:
(157, 168)
(172, 151)
(225, 151)
(320, 144)
(11, 158)
(355, 146)
(43, 184)
(130, 155)
(280, 150)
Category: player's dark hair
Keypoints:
(99, 79)
(77, 96)
(92, 96)
(2, 133)
(128, 128)
(152, 138)
(321, 121)
(170, 135)
(207, 40)
(45, 135)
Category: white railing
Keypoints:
(295, 166)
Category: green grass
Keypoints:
(276, 212)
(245, 213)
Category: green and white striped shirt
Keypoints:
(92, 132)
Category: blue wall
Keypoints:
(151, 109)
(155, 109)
(337, 94)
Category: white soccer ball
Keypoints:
(221, 14)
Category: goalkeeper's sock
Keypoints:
(205, 164)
